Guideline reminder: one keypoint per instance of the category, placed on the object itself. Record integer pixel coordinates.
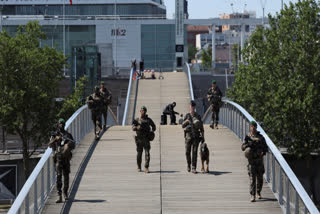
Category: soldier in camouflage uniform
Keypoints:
(193, 133)
(62, 143)
(106, 94)
(95, 104)
(255, 148)
(214, 96)
(144, 128)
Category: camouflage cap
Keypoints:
(102, 82)
(213, 81)
(144, 108)
(62, 121)
(253, 123)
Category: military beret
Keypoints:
(193, 103)
(61, 120)
(102, 82)
(253, 123)
(144, 108)
(213, 81)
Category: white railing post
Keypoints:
(288, 196)
(35, 197)
(127, 99)
(280, 187)
(42, 187)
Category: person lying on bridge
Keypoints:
(62, 143)
(255, 148)
(169, 110)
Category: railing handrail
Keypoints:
(190, 81)
(277, 154)
(23, 194)
(127, 99)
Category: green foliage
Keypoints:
(29, 77)
(280, 85)
(191, 52)
(74, 101)
(206, 58)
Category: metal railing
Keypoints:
(40, 183)
(286, 187)
(188, 72)
(128, 99)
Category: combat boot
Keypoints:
(59, 200)
(216, 126)
(194, 171)
(138, 169)
(253, 198)
(259, 195)
(188, 168)
(146, 170)
(211, 126)
(65, 196)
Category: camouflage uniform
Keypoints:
(62, 145)
(193, 135)
(106, 94)
(258, 148)
(95, 103)
(142, 128)
(214, 97)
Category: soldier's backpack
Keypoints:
(151, 136)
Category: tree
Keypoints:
(191, 52)
(75, 100)
(206, 57)
(29, 77)
(280, 84)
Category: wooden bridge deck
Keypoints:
(108, 182)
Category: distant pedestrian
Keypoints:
(95, 104)
(214, 96)
(141, 68)
(107, 98)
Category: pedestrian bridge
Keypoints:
(104, 177)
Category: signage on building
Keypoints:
(118, 32)
(8, 181)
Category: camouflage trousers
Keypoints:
(96, 119)
(215, 114)
(192, 147)
(255, 172)
(62, 167)
(143, 144)
(105, 114)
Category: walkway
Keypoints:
(109, 183)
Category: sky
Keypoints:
(203, 9)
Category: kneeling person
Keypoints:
(144, 128)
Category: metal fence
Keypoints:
(40, 183)
(286, 187)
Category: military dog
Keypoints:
(204, 154)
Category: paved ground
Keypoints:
(108, 181)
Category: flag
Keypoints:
(71, 2)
